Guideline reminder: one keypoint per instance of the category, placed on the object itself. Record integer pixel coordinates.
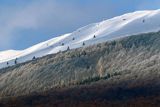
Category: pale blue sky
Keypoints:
(24, 23)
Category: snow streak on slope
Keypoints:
(121, 26)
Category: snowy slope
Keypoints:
(125, 25)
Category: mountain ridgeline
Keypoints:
(137, 22)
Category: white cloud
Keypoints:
(35, 15)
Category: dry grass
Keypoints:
(129, 59)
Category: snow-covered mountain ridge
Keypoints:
(121, 26)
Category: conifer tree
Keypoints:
(143, 20)
(34, 58)
(83, 44)
(15, 61)
(68, 48)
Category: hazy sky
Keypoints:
(24, 23)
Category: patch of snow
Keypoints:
(121, 26)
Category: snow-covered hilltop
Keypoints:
(125, 25)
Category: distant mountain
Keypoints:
(117, 27)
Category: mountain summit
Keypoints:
(126, 25)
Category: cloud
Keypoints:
(41, 15)
(40, 18)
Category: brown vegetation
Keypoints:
(99, 94)
(124, 72)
